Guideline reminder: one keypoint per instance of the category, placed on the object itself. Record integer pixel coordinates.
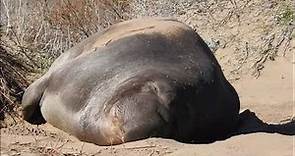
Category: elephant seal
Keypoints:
(137, 79)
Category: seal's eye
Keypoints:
(150, 87)
(154, 87)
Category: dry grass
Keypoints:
(12, 82)
(34, 33)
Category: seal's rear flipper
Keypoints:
(31, 101)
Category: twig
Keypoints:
(23, 50)
(8, 17)
(288, 36)
(81, 149)
(139, 147)
(246, 57)
(153, 151)
(38, 33)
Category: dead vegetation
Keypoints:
(12, 82)
(33, 34)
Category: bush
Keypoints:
(12, 81)
(34, 33)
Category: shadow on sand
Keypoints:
(250, 123)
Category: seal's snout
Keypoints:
(137, 117)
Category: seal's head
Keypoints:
(139, 110)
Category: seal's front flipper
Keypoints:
(31, 101)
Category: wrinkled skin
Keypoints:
(137, 79)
